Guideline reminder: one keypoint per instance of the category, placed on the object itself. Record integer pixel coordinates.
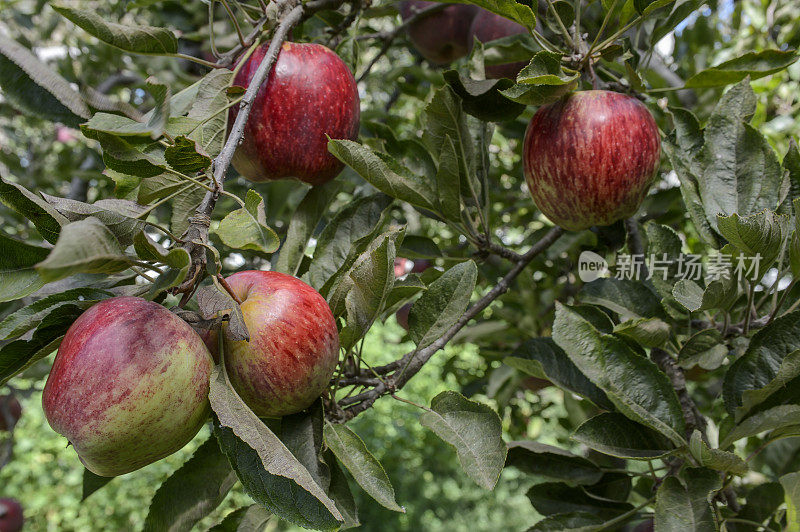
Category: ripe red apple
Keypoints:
(421, 265)
(129, 385)
(293, 348)
(10, 515)
(440, 37)
(310, 93)
(487, 27)
(10, 410)
(590, 157)
(402, 315)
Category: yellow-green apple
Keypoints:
(129, 385)
(309, 95)
(11, 519)
(487, 27)
(443, 36)
(590, 158)
(293, 348)
(10, 412)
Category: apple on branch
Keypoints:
(590, 158)
(10, 412)
(440, 37)
(129, 385)
(309, 95)
(489, 27)
(293, 348)
(11, 519)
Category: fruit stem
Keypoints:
(234, 21)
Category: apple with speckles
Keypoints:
(590, 158)
(11, 519)
(293, 348)
(309, 95)
(440, 37)
(10, 412)
(129, 385)
(488, 27)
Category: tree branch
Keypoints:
(196, 236)
(411, 363)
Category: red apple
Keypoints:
(129, 385)
(402, 315)
(310, 93)
(440, 37)
(10, 515)
(489, 27)
(421, 265)
(293, 348)
(10, 410)
(400, 265)
(590, 157)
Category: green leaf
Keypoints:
(633, 383)
(553, 498)
(484, 98)
(301, 433)
(365, 468)
(760, 234)
(85, 246)
(442, 304)
(29, 317)
(705, 348)
(137, 39)
(184, 205)
(302, 225)
(125, 158)
(384, 173)
(715, 458)
(753, 64)
(214, 302)
(269, 472)
(686, 504)
(509, 9)
(552, 463)
(474, 430)
(121, 217)
(253, 518)
(246, 228)
(739, 169)
(719, 294)
(649, 332)
(210, 108)
(30, 85)
(159, 186)
(542, 358)
(361, 292)
(18, 278)
(18, 355)
(185, 157)
(542, 81)
(762, 501)
(444, 117)
(616, 435)
(45, 217)
(771, 360)
(360, 220)
(568, 522)
(191, 492)
(92, 483)
(448, 182)
(791, 488)
(339, 491)
(664, 243)
(628, 298)
(773, 418)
